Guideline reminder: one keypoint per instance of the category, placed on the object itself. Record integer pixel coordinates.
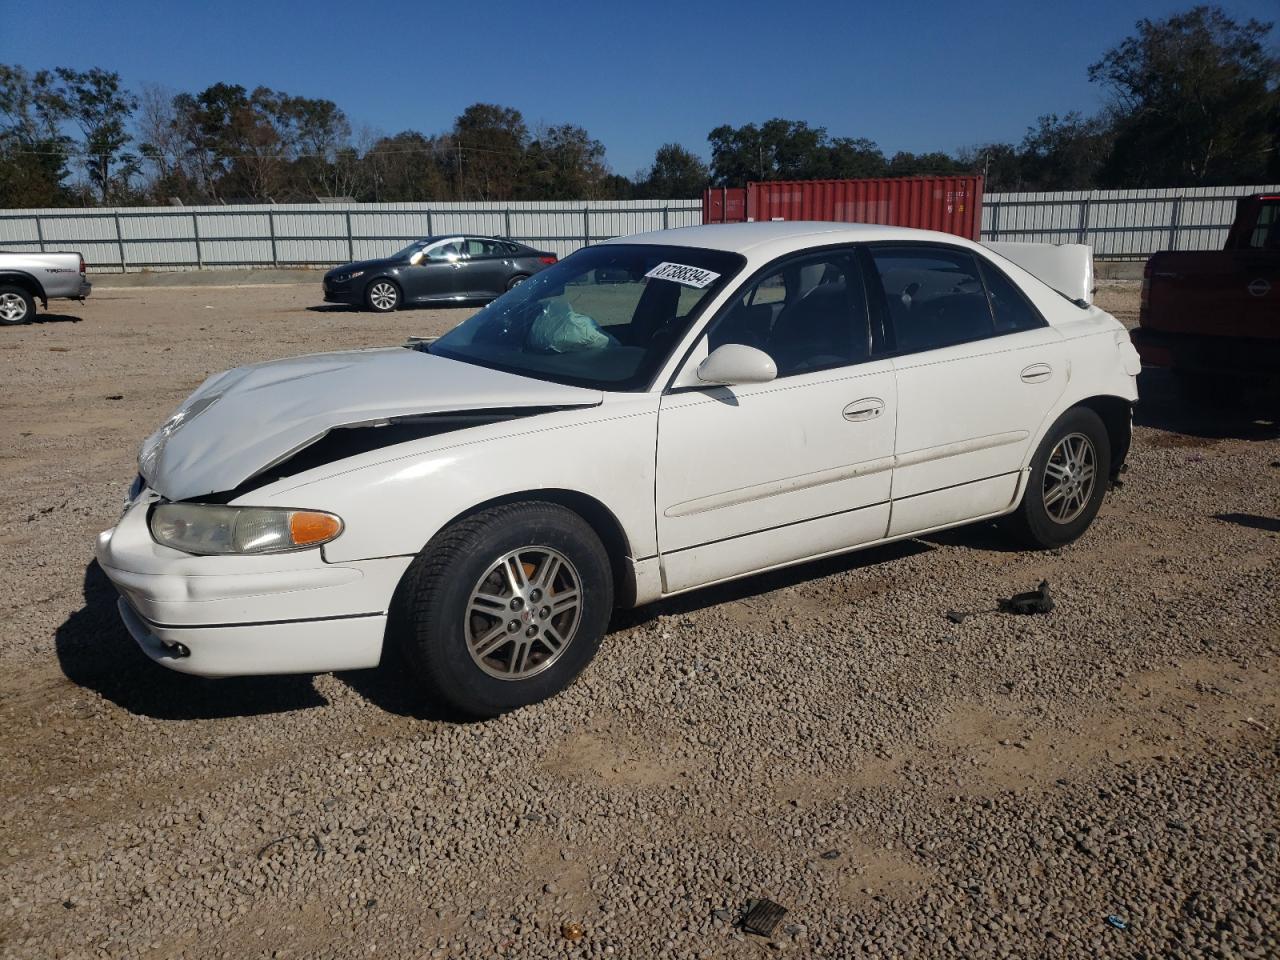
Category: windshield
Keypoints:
(606, 317)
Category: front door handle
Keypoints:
(1037, 373)
(867, 408)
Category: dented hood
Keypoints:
(245, 420)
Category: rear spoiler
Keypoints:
(1067, 267)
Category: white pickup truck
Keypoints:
(28, 277)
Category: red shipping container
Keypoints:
(949, 204)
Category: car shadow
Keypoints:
(352, 308)
(978, 536)
(1250, 520)
(96, 652)
(748, 588)
(1249, 415)
(390, 686)
(55, 318)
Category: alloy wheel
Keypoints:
(523, 613)
(1069, 478)
(13, 308)
(383, 296)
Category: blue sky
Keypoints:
(911, 76)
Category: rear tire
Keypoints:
(515, 281)
(1069, 476)
(504, 608)
(382, 296)
(16, 306)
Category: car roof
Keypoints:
(781, 236)
(436, 237)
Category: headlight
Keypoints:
(210, 529)
(344, 277)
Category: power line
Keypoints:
(78, 153)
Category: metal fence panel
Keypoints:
(1118, 224)
(318, 235)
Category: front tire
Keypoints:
(504, 608)
(16, 306)
(1069, 475)
(382, 296)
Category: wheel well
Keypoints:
(391, 280)
(598, 516)
(1116, 415)
(27, 283)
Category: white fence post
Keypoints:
(120, 244)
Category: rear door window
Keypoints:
(475, 247)
(934, 296)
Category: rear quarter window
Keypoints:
(1009, 305)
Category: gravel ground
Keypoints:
(823, 737)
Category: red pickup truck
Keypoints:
(1213, 317)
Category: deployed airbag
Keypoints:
(561, 329)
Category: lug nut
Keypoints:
(536, 595)
(532, 631)
(516, 603)
(513, 626)
(544, 612)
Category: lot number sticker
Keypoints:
(679, 273)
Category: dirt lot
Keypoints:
(824, 737)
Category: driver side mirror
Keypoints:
(734, 363)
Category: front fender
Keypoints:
(393, 501)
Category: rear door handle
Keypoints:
(867, 408)
(1037, 373)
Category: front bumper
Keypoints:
(251, 649)
(1199, 353)
(347, 293)
(238, 616)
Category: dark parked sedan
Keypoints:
(434, 270)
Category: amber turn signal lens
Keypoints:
(306, 528)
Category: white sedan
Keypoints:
(649, 416)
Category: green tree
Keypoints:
(34, 151)
(565, 163)
(1194, 101)
(488, 144)
(935, 164)
(1000, 165)
(1065, 153)
(781, 149)
(676, 174)
(96, 103)
(854, 157)
(407, 167)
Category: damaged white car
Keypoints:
(650, 415)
